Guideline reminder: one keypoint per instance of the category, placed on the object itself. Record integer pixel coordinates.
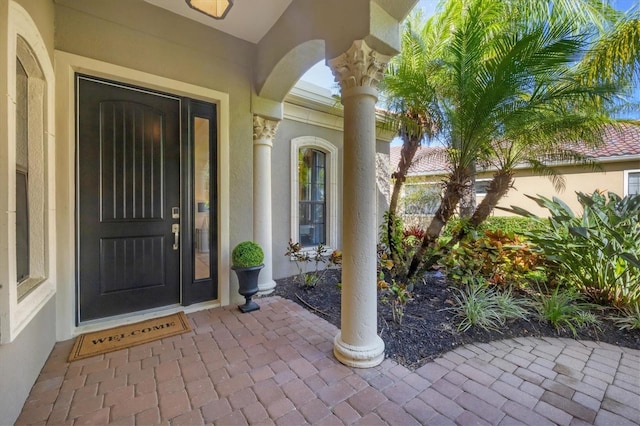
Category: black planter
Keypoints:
(248, 286)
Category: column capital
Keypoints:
(263, 128)
(360, 66)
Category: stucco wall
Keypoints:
(42, 13)
(22, 360)
(281, 187)
(609, 179)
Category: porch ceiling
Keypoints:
(248, 19)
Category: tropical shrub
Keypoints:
(318, 257)
(499, 257)
(598, 252)
(398, 244)
(396, 295)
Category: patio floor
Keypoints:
(275, 366)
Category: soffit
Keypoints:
(248, 20)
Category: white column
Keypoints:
(358, 71)
(264, 131)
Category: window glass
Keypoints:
(202, 194)
(22, 172)
(312, 202)
(482, 186)
(30, 186)
(633, 185)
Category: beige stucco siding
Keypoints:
(42, 13)
(22, 359)
(281, 181)
(609, 178)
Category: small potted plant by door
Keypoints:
(247, 260)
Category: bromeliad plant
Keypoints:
(598, 252)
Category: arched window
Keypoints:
(314, 171)
(30, 185)
(312, 201)
(27, 201)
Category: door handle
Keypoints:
(175, 228)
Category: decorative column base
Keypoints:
(266, 287)
(358, 356)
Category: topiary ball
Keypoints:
(247, 254)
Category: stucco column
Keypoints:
(264, 131)
(358, 71)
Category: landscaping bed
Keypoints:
(428, 328)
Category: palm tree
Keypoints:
(410, 97)
(508, 83)
(616, 55)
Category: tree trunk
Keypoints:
(468, 194)
(410, 145)
(447, 207)
(498, 187)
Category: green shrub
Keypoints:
(247, 254)
(507, 224)
(404, 242)
(597, 253)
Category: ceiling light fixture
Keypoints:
(217, 9)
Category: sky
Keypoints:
(321, 75)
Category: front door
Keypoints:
(128, 188)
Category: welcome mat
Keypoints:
(126, 336)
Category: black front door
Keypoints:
(128, 188)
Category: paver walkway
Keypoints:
(275, 366)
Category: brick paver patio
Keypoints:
(275, 366)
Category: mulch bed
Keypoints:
(428, 329)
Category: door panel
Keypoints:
(128, 181)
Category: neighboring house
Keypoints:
(618, 171)
(141, 140)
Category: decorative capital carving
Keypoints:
(264, 128)
(359, 66)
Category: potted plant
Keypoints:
(247, 260)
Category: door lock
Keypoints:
(175, 228)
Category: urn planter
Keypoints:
(248, 286)
(247, 260)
